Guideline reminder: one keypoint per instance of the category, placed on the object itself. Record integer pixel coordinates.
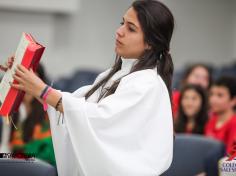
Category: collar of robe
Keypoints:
(127, 64)
(125, 69)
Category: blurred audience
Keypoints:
(197, 74)
(32, 135)
(193, 110)
(222, 121)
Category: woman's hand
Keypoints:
(28, 81)
(8, 64)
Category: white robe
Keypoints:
(129, 133)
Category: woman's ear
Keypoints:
(147, 47)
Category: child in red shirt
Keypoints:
(222, 100)
(197, 74)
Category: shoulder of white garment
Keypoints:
(138, 79)
(143, 77)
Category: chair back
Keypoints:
(35, 167)
(191, 152)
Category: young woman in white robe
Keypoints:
(122, 124)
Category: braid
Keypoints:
(115, 68)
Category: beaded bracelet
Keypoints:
(58, 103)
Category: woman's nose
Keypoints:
(120, 31)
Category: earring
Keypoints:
(148, 47)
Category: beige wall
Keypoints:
(205, 31)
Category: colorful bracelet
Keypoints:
(44, 91)
(44, 97)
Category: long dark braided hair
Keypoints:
(157, 23)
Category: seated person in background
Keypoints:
(193, 110)
(198, 74)
(33, 135)
(222, 121)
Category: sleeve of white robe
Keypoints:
(61, 139)
(62, 143)
(127, 133)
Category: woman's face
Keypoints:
(199, 76)
(191, 102)
(129, 37)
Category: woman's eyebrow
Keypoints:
(129, 22)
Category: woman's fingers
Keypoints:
(10, 61)
(19, 72)
(12, 58)
(8, 64)
(28, 81)
(18, 78)
(17, 86)
(22, 68)
(31, 70)
(3, 68)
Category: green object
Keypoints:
(42, 149)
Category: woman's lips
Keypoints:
(118, 43)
